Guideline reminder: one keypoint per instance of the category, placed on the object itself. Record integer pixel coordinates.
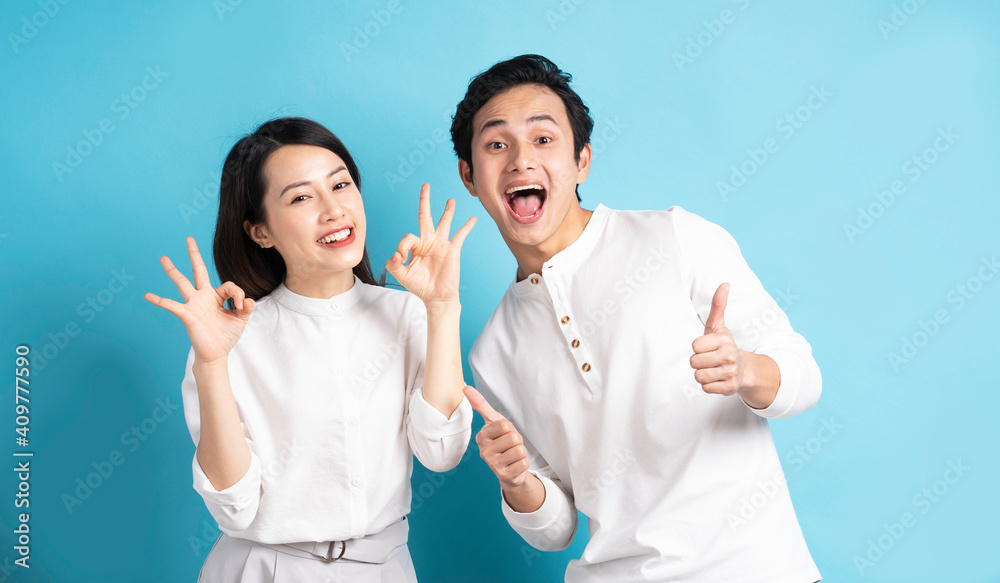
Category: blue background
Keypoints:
(668, 131)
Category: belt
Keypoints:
(373, 548)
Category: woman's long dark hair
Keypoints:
(258, 271)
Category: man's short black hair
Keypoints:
(522, 70)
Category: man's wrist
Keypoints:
(526, 497)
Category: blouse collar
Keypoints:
(318, 306)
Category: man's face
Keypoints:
(525, 168)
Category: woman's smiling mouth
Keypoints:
(340, 238)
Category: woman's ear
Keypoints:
(258, 233)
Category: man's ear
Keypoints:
(258, 233)
(583, 166)
(465, 171)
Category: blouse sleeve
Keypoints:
(235, 507)
(439, 442)
(710, 257)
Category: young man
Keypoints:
(632, 358)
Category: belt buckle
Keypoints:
(329, 558)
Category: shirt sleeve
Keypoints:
(235, 507)
(552, 526)
(439, 442)
(710, 257)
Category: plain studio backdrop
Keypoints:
(850, 148)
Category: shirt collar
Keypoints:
(573, 255)
(318, 306)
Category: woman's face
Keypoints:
(315, 218)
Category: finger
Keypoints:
(231, 290)
(201, 279)
(479, 404)
(715, 320)
(444, 225)
(406, 244)
(175, 308)
(506, 441)
(394, 263)
(705, 376)
(705, 360)
(511, 456)
(495, 430)
(249, 305)
(513, 473)
(183, 285)
(708, 343)
(463, 232)
(719, 388)
(424, 217)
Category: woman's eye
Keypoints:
(544, 140)
(340, 185)
(296, 199)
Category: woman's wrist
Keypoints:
(442, 307)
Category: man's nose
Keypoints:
(523, 157)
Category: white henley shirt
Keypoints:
(590, 361)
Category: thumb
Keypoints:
(393, 263)
(715, 320)
(249, 306)
(479, 403)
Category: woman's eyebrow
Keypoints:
(305, 182)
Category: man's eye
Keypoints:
(497, 145)
(544, 140)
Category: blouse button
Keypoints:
(576, 343)
(565, 320)
(534, 280)
(355, 482)
(352, 423)
(586, 367)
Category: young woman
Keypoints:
(307, 397)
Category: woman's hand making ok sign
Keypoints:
(213, 329)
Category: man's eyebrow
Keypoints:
(305, 182)
(541, 117)
(493, 123)
(533, 119)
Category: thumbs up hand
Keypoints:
(717, 362)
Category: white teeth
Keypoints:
(513, 189)
(338, 236)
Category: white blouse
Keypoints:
(590, 360)
(329, 396)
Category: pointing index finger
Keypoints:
(479, 403)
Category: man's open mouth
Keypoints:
(525, 202)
